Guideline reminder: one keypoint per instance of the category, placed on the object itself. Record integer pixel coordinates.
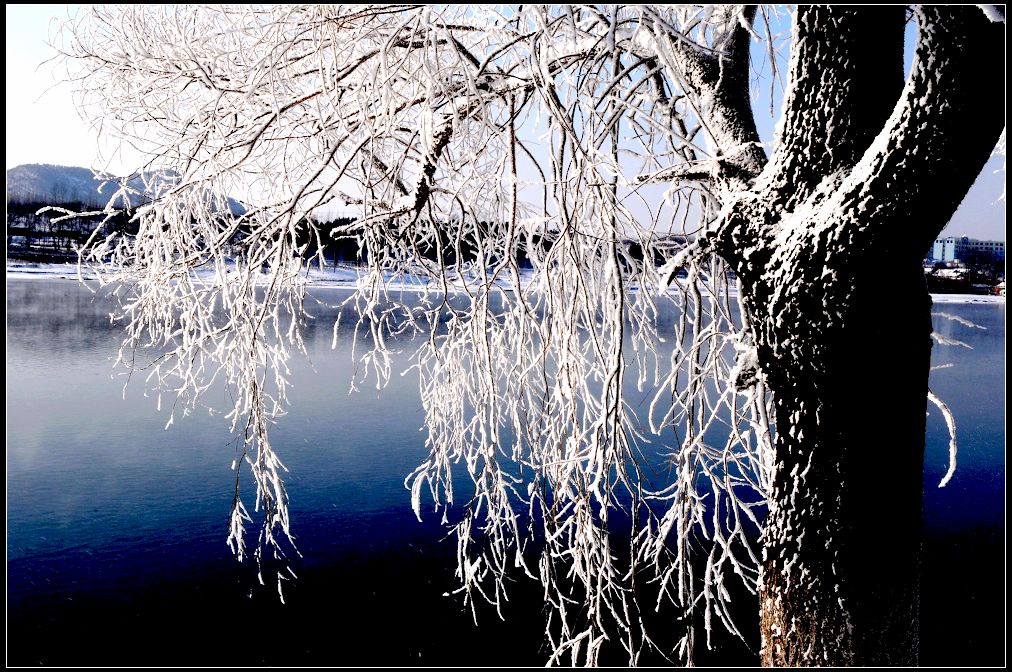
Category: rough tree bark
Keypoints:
(827, 237)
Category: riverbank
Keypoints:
(346, 276)
(341, 276)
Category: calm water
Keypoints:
(116, 527)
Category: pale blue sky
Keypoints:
(43, 125)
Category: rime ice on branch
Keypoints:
(473, 142)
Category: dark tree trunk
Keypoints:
(828, 241)
(842, 542)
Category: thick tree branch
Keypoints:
(940, 134)
(916, 170)
(717, 84)
(858, 153)
(845, 74)
(732, 107)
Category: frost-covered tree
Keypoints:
(613, 149)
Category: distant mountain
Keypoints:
(45, 184)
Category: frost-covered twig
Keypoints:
(492, 156)
(950, 423)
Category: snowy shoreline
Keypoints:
(347, 277)
(341, 276)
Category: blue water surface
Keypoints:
(116, 526)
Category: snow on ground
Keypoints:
(347, 276)
(341, 276)
(966, 298)
(21, 270)
(332, 276)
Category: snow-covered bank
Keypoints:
(23, 270)
(347, 276)
(966, 298)
(341, 276)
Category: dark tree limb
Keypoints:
(846, 74)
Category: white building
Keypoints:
(955, 248)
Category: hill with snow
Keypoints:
(44, 184)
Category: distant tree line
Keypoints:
(35, 234)
(48, 237)
(457, 244)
